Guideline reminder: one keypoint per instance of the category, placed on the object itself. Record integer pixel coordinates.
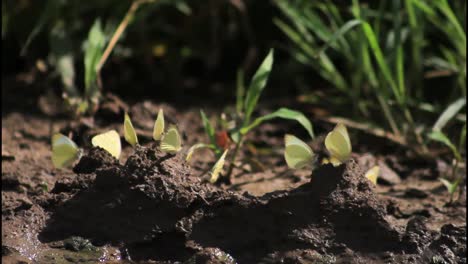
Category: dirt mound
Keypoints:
(153, 208)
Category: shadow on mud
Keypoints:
(154, 209)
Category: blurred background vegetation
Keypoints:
(397, 67)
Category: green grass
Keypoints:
(376, 56)
(244, 121)
(380, 59)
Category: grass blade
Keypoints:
(400, 70)
(442, 138)
(339, 34)
(93, 53)
(447, 185)
(381, 62)
(444, 7)
(284, 113)
(198, 146)
(449, 113)
(209, 129)
(257, 85)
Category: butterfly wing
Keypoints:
(110, 141)
(171, 142)
(343, 131)
(217, 168)
(129, 131)
(158, 129)
(338, 143)
(331, 160)
(64, 151)
(297, 153)
(372, 174)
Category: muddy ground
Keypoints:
(151, 207)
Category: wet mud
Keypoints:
(153, 208)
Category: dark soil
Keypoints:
(154, 207)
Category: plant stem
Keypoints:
(410, 120)
(388, 115)
(233, 157)
(115, 37)
(454, 176)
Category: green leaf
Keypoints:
(444, 7)
(284, 113)
(94, 49)
(449, 113)
(424, 7)
(257, 85)
(440, 63)
(451, 186)
(381, 62)
(209, 130)
(339, 33)
(235, 136)
(442, 138)
(197, 147)
(400, 70)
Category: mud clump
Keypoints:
(95, 159)
(85, 168)
(155, 209)
(450, 245)
(350, 206)
(125, 202)
(335, 211)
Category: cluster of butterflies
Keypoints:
(298, 154)
(65, 151)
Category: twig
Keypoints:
(115, 37)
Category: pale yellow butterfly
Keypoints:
(325, 161)
(110, 141)
(331, 160)
(217, 168)
(158, 129)
(372, 174)
(170, 142)
(338, 144)
(64, 151)
(129, 131)
(297, 153)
